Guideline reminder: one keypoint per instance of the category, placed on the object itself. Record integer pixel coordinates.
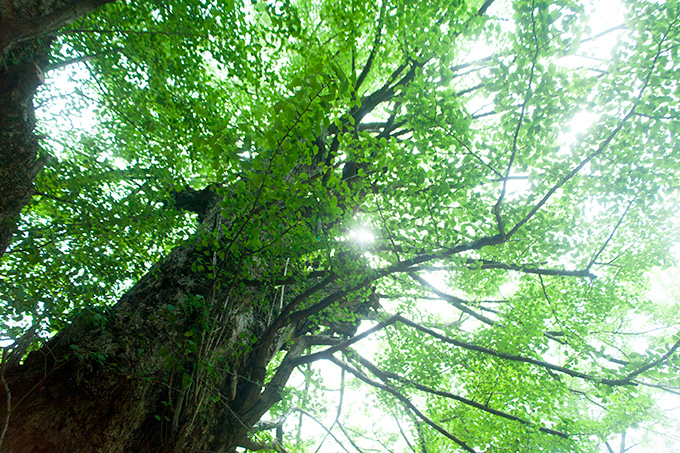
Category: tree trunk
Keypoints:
(19, 163)
(174, 366)
(25, 28)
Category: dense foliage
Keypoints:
(500, 181)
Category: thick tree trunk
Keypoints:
(25, 28)
(179, 363)
(169, 368)
(29, 19)
(19, 163)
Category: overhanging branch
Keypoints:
(386, 376)
(404, 401)
(517, 358)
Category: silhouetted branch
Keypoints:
(403, 399)
(460, 304)
(385, 376)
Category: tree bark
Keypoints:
(179, 362)
(26, 20)
(19, 162)
(169, 368)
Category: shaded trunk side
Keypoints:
(19, 163)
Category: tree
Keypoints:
(236, 151)
(24, 46)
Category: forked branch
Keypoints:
(627, 380)
(386, 376)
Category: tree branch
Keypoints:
(339, 411)
(344, 345)
(284, 317)
(400, 266)
(603, 146)
(64, 63)
(618, 224)
(19, 29)
(473, 154)
(403, 434)
(266, 425)
(516, 358)
(374, 50)
(304, 412)
(403, 399)
(660, 387)
(527, 97)
(347, 436)
(251, 445)
(72, 31)
(460, 304)
(653, 364)
(385, 376)
(487, 264)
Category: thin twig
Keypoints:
(304, 412)
(403, 434)
(611, 235)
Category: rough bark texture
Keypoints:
(167, 369)
(22, 20)
(25, 27)
(19, 162)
